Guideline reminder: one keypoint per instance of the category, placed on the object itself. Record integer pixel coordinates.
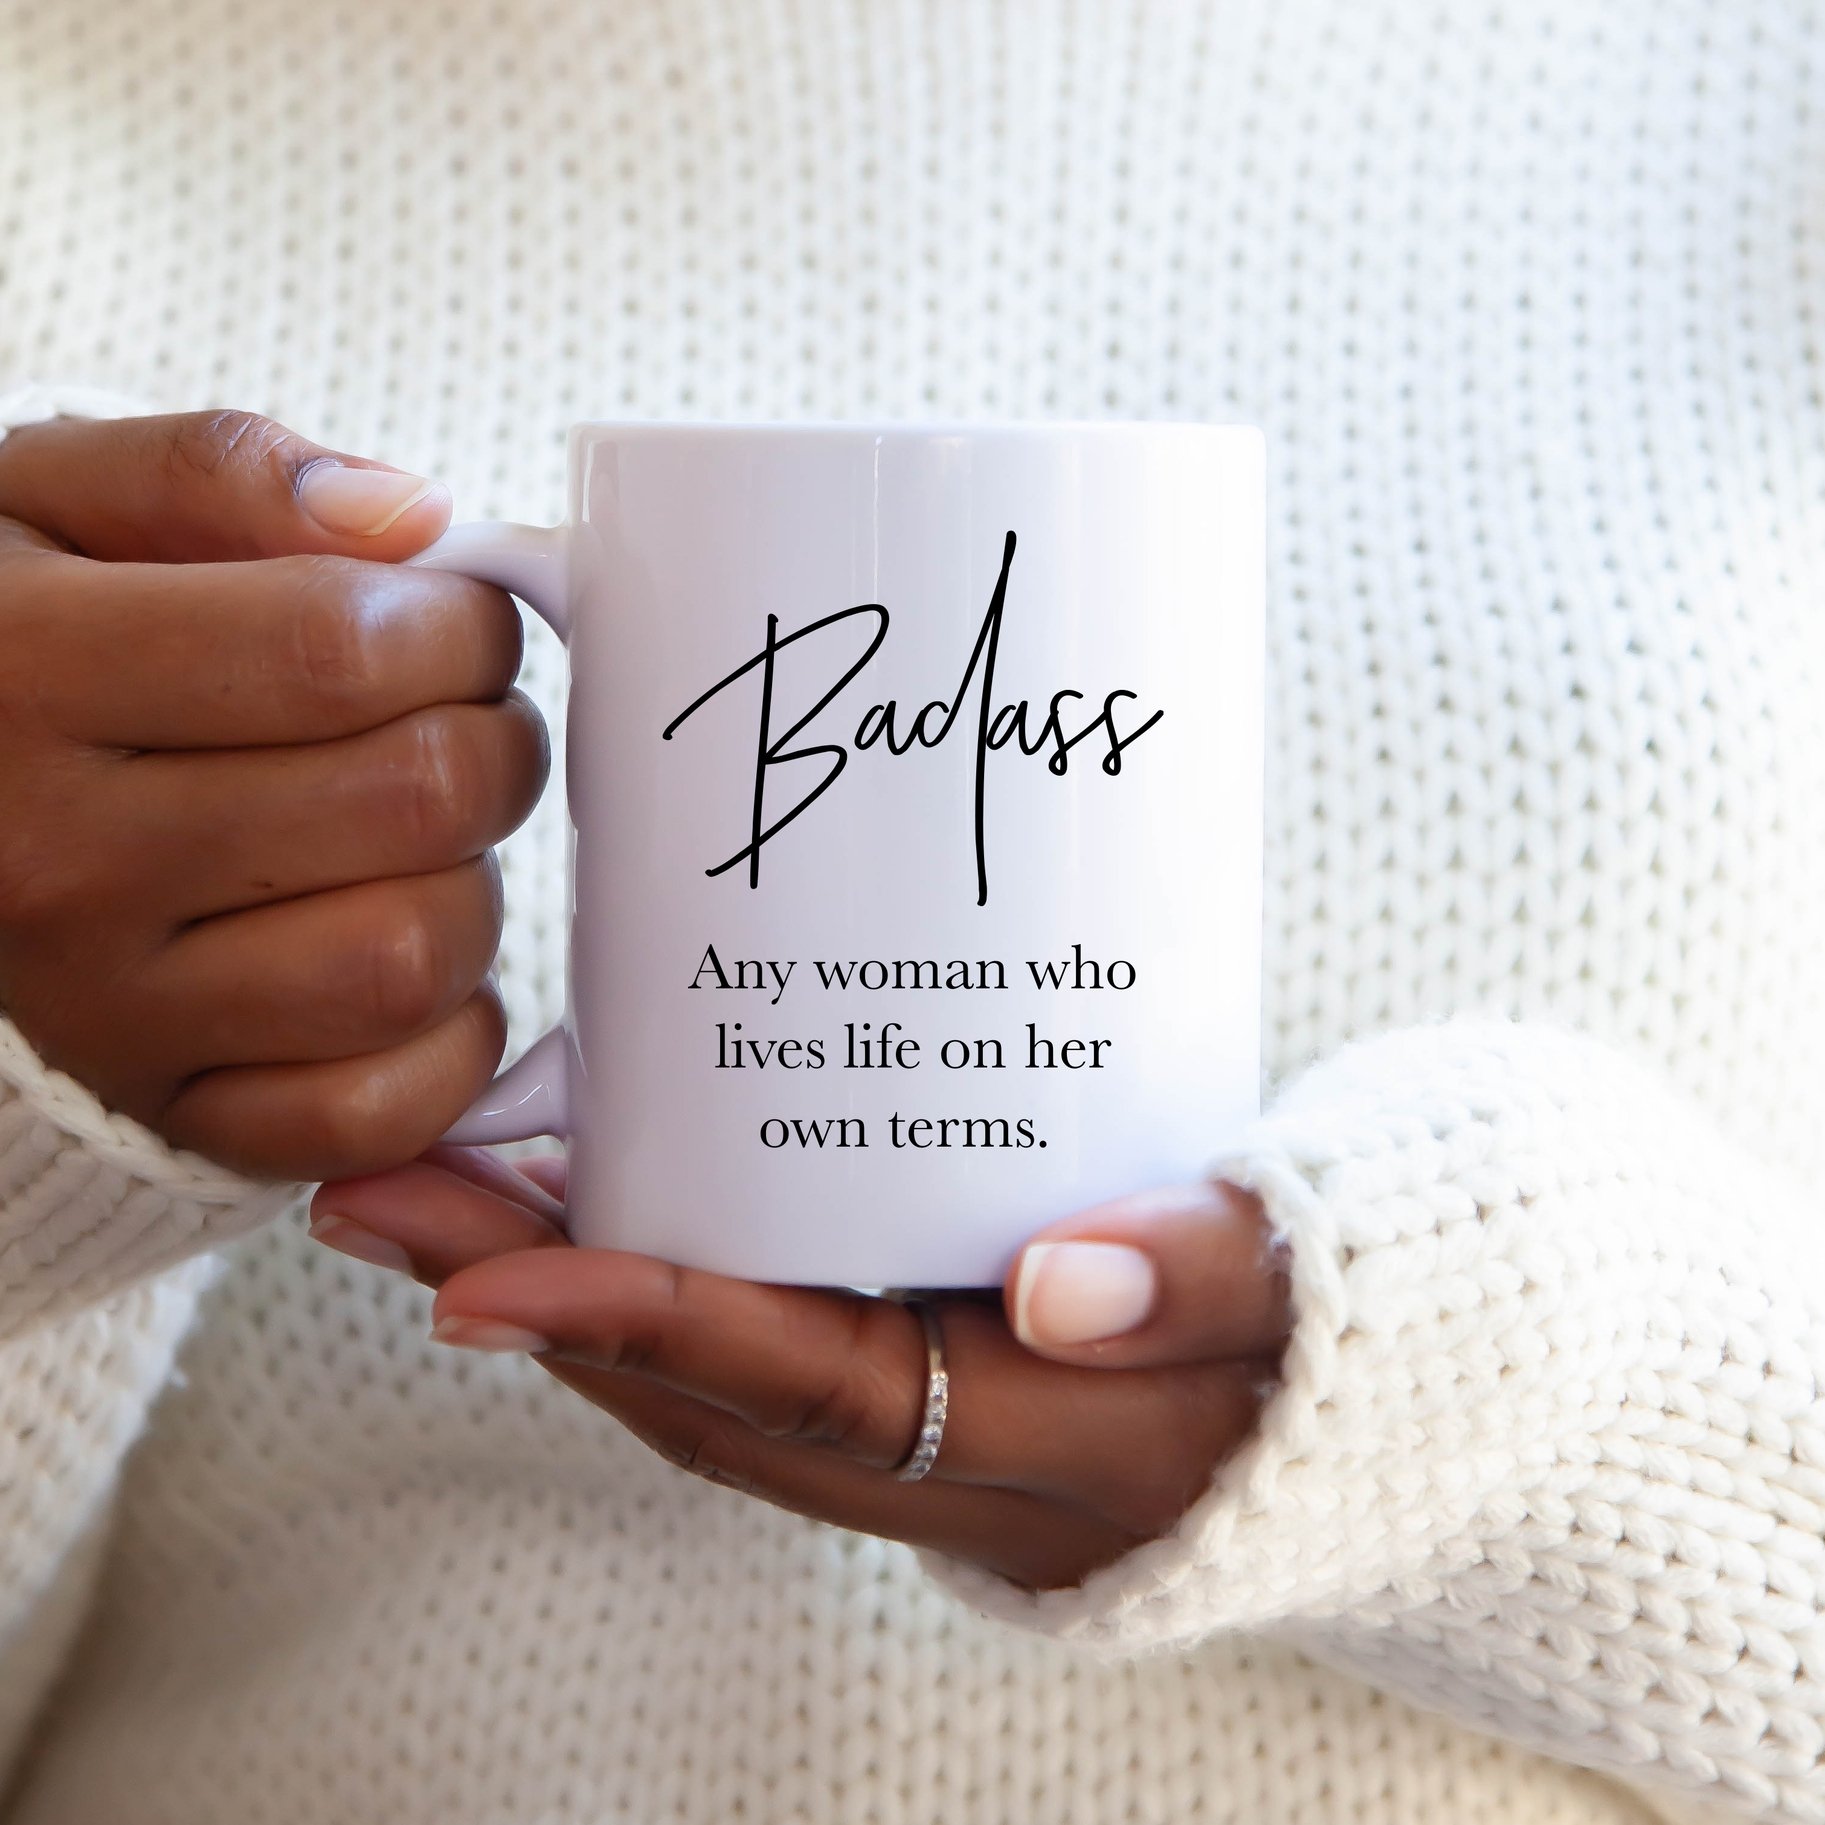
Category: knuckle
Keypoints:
(437, 785)
(207, 444)
(480, 769)
(527, 744)
(46, 878)
(712, 1452)
(354, 1127)
(844, 1406)
(485, 617)
(407, 975)
(485, 1015)
(503, 620)
(491, 897)
(332, 657)
(381, 1116)
(641, 1343)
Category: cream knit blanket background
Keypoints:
(1531, 303)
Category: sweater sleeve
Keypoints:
(104, 1233)
(1549, 1451)
(91, 1202)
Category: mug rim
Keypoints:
(981, 430)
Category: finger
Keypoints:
(427, 1220)
(250, 655)
(1034, 1543)
(218, 832)
(452, 1208)
(757, 1350)
(849, 1373)
(197, 487)
(1178, 1276)
(549, 1171)
(344, 1116)
(484, 1167)
(328, 975)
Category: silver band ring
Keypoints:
(924, 1453)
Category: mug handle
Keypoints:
(532, 1096)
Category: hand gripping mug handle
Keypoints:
(532, 1096)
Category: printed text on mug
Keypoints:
(995, 726)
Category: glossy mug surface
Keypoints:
(915, 872)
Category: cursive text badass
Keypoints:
(995, 726)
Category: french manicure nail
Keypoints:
(487, 1334)
(1081, 1292)
(348, 1237)
(364, 502)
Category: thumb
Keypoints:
(1190, 1274)
(204, 486)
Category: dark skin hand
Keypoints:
(252, 769)
(1059, 1455)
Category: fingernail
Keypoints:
(1081, 1292)
(487, 1334)
(349, 1238)
(360, 501)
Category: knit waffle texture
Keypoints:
(1528, 302)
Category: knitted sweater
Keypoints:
(1528, 301)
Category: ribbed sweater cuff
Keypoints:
(91, 1201)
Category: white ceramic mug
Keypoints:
(990, 700)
